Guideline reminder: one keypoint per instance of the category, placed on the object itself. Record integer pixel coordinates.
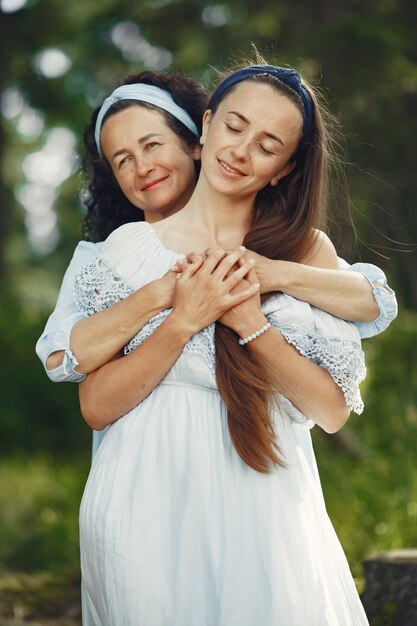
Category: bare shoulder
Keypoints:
(322, 252)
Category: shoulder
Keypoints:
(85, 252)
(87, 248)
(126, 232)
(127, 239)
(135, 252)
(322, 252)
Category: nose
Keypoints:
(143, 166)
(240, 149)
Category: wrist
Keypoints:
(182, 329)
(280, 275)
(160, 297)
(255, 335)
(249, 326)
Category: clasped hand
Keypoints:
(219, 285)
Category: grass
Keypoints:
(39, 555)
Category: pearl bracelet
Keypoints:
(254, 335)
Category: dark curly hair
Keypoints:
(106, 206)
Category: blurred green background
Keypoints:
(58, 60)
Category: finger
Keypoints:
(250, 254)
(235, 277)
(179, 265)
(244, 295)
(192, 257)
(240, 263)
(229, 261)
(190, 270)
(251, 276)
(213, 259)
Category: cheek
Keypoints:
(124, 180)
(181, 161)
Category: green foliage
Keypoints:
(386, 615)
(39, 536)
(39, 514)
(372, 499)
(36, 415)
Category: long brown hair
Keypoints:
(284, 219)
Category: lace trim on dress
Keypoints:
(342, 358)
(202, 343)
(97, 287)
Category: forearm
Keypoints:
(52, 346)
(117, 387)
(201, 295)
(345, 294)
(95, 340)
(307, 385)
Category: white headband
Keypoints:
(144, 93)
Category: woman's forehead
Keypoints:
(257, 95)
(262, 104)
(135, 116)
(131, 127)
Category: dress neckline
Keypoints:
(161, 243)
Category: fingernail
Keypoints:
(242, 248)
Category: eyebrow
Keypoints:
(140, 141)
(244, 119)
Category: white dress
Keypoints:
(175, 529)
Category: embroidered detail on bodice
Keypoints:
(342, 358)
(97, 287)
(202, 343)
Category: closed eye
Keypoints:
(265, 151)
(231, 128)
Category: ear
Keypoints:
(206, 122)
(283, 172)
(196, 152)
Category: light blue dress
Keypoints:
(175, 529)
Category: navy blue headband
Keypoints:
(288, 76)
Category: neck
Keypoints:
(222, 221)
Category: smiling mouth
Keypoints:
(230, 169)
(153, 183)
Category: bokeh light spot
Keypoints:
(10, 6)
(52, 63)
